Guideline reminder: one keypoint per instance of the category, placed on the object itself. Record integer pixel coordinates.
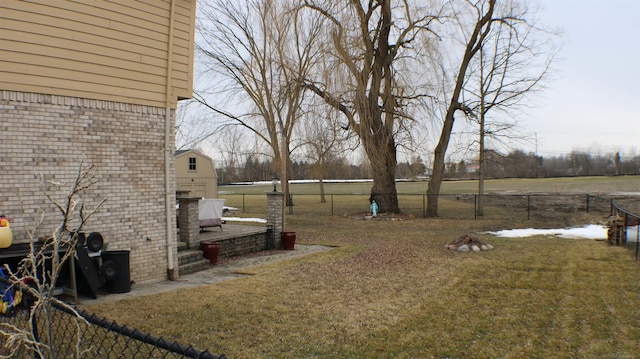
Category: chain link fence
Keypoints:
(71, 337)
(559, 207)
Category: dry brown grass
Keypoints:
(389, 290)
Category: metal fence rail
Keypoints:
(95, 338)
(624, 229)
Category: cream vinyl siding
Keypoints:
(109, 50)
(201, 182)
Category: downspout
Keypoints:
(284, 184)
(168, 150)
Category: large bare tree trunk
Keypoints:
(383, 168)
(433, 191)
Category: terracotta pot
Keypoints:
(210, 250)
(288, 240)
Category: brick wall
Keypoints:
(51, 136)
(238, 246)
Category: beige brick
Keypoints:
(51, 136)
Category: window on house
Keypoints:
(192, 163)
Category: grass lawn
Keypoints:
(389, 290)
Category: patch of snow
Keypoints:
(240, 219)
(633, 233)
(302, 181)
(592, 231)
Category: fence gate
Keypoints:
(624, 229)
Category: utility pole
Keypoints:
(481, 168)
(536, 156)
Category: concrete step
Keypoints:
(190, 260)
(189, 256)
(193, 267)
(182, 246)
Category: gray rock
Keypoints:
(475, 248)
(463, 248)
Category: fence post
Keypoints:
(275, 216)
(528, 207)
(475, 206)
(588, 203)
(332, 204)
(243, 203)
(424, 205)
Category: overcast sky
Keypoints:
(593, 102)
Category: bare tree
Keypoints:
(232, 148)
(512, 63)
(618, 163)
(495, 72)
(38, 272)
(323, 140)
(256, 52)
(483, 13)
(369, 42)
(191, 128)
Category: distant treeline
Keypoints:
(516, 164)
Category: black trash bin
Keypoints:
(115, 271)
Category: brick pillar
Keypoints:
(189, 220)
(275, 206)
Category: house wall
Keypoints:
(203, 182)
(52, 136)
(110, 50)
(85, 82)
